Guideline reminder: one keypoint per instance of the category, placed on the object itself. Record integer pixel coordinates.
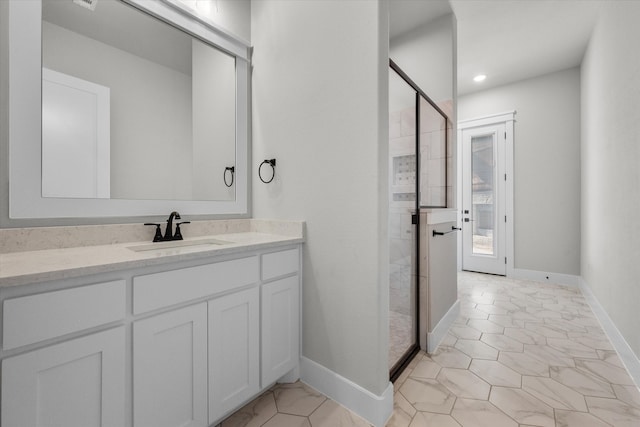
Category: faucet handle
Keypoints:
(158, 235)
(178, 234)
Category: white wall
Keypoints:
(610, 166)
(427, 55)
(232, 15)
(546, 166)
(320, 89)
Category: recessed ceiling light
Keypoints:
(479, 78)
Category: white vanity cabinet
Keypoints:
(78, 382)
(160, 347)
(280, 312)
(170, 368)
(234, 351)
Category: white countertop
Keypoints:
(19, 268)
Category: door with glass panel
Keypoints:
(403, 205)
(483, 199)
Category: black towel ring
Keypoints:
(271, 163)
(232, 169)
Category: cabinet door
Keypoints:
(77, 383)
(233, 351)
(170, 369)
(280, 328)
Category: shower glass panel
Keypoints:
(433, 156)
(483, 193)
(403, 168)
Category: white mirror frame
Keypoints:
(25, 121)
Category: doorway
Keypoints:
(487, 194)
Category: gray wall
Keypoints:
(610, 166)
(546, 166)
(320, 107)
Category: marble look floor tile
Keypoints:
(286, 420)
(427, 419)
(403, 404)
(596, 342)
(330, 414)
(507, 305)
(476, 349)
(567, 325)
(522, 406)
(449, 357)
(525, 336)
(523, 363)
(480, 413)
(495, 373)
(605, 371)
(464, 383)
(578, 419)
(549, 355)
(426, 368)
(465, 332)
(506, 321)
(582, 381)
(553, 393)
(502, 342)
(297, 399)
(613, 411)
(628, 394)
(572, 348)
(472, 313)
(428, 395)
(491, 309)
(449, 340)
(546, 330)
(611, 357)
(485, 326)
(254, 414)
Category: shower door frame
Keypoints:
(404, 361)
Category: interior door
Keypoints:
(483, 199)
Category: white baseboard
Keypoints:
(435, 337)
(375, 409)
(628, 357)
(545, 277)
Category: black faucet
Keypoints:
(168, 232)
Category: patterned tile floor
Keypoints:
(521, 354)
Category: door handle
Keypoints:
(468, 220)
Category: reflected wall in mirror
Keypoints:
(133, 108)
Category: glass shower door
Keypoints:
(403, 175)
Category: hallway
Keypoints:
(520, 354)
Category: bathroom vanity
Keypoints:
(137, 335)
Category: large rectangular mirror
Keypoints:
(141, 106)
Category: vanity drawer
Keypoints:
(158, 290)
(34, 318)
(280, 263)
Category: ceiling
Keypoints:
(508, 40)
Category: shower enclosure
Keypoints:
(417, 179)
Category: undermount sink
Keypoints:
(177, 244)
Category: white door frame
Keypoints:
(508, 118)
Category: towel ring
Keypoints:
(232, 169)
(271, 163)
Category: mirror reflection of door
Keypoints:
(75, 137)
